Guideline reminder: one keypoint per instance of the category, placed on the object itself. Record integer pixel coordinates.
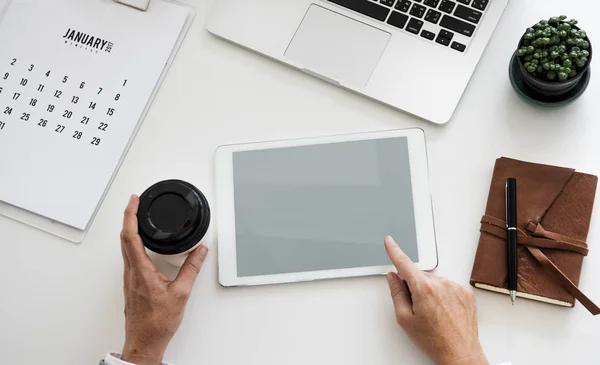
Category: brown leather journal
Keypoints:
(554, 212)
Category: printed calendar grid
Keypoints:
(65, 133)
(56, 101)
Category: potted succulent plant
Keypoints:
(554, 54)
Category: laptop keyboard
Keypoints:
(434, 20)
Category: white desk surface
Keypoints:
(64, 301)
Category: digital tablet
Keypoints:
(320, 208)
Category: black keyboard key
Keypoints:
(365, 7)
(403, 5)
(458, 46)
(387, 2)
(466, 2)
(457, 25)
(432, 3)
(398, 19)
(469, 14)
(427, 35)
(433, 16)
(445, 34)
(419, 1)
(442, 40)
(414, 25)
(418, 10)
(480, 4)
(447, 6)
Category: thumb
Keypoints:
(400, 296)
(190, 270)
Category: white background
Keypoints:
(61, 303)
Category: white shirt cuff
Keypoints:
(115, 359)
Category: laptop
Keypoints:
(416, 56)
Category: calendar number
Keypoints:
(58, 94)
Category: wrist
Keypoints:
(473, 357)
(142, 355)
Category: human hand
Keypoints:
(439, 316)
(154, 305)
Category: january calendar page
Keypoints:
(76, 77)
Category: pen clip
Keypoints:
(506, 203)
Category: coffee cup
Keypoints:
(173, 218)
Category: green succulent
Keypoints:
(554, 49)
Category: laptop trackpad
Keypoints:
(337, 47)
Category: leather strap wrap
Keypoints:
(538, 238)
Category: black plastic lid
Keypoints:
(173, 217)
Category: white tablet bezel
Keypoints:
(225, 212)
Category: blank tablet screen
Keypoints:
(322, 207)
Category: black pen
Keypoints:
(511, 236)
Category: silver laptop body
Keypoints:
(416, 56)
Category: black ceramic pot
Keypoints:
(553, 88)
